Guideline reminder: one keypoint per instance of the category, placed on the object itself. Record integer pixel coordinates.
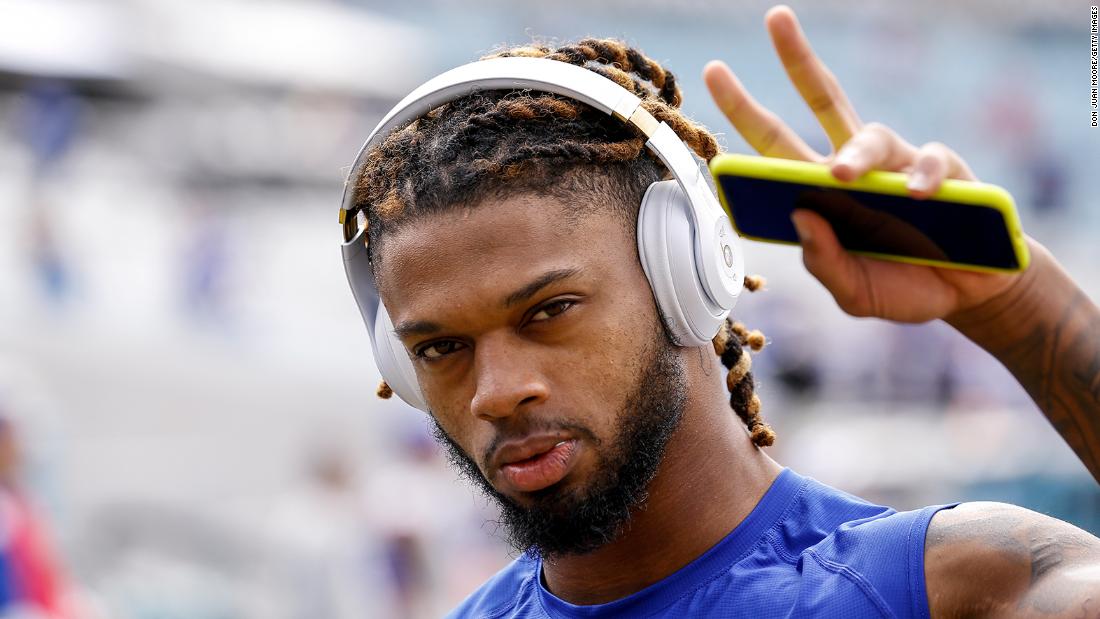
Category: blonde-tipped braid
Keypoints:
(384, 391)
(755, 282)
(729, 345)
(738, 372)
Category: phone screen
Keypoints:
(874, 222)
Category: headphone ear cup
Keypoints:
(666, 248)
(394, 363)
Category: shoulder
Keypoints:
(988, 559)
(505, 594)
(857, 551)
(841, 526)
(818, 510)
(882, 556)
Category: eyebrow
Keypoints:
(427, 327)
(415, 327)
(538, 284)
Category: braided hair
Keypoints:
(495, 143)
(730, 345)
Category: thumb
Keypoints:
(825, 258)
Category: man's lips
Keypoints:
(536, 462)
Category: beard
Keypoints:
(560, 521)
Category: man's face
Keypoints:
(538, 349)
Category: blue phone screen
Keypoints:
(874, 222)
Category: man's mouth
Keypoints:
(536, 464)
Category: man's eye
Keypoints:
(437, 350)
(550, 310)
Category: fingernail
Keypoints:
(801, 228)
(846, 157)
(919, 181)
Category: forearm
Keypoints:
(1046, 331)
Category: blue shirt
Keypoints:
(805, 550)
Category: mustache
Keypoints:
(534, 426)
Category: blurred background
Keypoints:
(188, 426)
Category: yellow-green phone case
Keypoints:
(876, 181)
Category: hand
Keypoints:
(862, 286)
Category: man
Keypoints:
(501, 229)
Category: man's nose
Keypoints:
(507, 378)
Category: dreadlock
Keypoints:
(730, 345)
(495, 143)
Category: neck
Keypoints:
(711, 477)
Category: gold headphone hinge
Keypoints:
(644, 121)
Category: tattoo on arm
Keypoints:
(1052, 553)
(1046, 331)
(1059, 364)
(991, 560)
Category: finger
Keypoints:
(761, 128)
(875, 146)
(935, 162)
(826, 260)
(813, 80)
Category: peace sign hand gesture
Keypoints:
(862, 286)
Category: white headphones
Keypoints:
(688, 249)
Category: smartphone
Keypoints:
(964, 225)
